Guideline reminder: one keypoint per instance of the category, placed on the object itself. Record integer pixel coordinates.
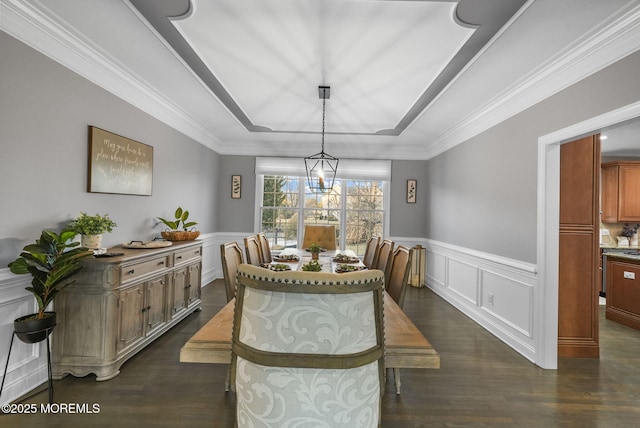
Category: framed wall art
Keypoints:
(236, 186)
(118, 164)
(411, 191)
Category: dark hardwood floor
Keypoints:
(481, 382)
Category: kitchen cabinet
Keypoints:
(118, 305)
(623, 289)
(620, 191)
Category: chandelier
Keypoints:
(321, 167)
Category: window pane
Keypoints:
(324, 200)
(281, 211)
(281, 227)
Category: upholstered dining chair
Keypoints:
(252, 248)
(232, 258)
(322, 234)
(396, 286)
(370, 251)
(308, 346)
(265, 251)
(385, 251)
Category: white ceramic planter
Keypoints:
(91, 241)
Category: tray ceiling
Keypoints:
(409, 79)
(384, 60)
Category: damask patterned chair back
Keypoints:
(232, 258)
(384, 254)
(308, 346)
(322, 234)
(371, 251)
(264, 248)
(252, 247)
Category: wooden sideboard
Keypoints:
(118, 305)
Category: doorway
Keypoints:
(546, 295)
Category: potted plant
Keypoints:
(91, 228)
(179, 228)
(314, 249)
(51, 261)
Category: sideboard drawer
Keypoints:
(186, 255)
(134, 271)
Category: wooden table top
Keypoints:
(406, 347)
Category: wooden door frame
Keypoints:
(548, 201)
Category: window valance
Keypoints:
(356, 169)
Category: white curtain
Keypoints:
(357, 169)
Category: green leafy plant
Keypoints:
(312, 266)
(86, 224)
(51, 261)
(314, 248)
(181, 217)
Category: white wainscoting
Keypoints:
(28, 364)
(496, 292)
(210, 257)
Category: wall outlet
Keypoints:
(490, 298)
(629, 275)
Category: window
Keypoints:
(355, 207)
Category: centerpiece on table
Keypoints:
(51, 261)
(179, 228)
(91, 228)
(315, 250)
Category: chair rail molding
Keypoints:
(496, 292)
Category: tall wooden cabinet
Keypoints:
(119, 305)
(621, 191)
(578, 250)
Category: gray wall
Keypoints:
(482, 193)
(407, 220)
(45, 110)
(236, 215)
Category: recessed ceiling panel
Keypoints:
(385, 60)
(377, 56)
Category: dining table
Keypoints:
(405, 345)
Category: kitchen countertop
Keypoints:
(615, 247)
(635, 256)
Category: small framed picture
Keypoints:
(236, 186)
(411, 191)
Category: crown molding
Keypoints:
(614, 40)
(381, 151)
(26, 23)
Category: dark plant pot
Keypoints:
(32, 330)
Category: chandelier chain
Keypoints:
(324, 101)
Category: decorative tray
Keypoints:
(286, 258)
(349, 268)
(343, 258)
(322, 250)
(148, 244)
